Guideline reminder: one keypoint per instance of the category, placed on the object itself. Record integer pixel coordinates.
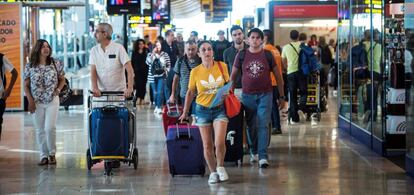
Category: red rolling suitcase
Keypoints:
(170, 115)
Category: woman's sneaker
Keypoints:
(214, 178)
(223, 176)
(263, 163)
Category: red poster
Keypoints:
(305, 11)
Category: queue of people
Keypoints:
(191, 77)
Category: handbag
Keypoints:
(232, 105)
(66, 92)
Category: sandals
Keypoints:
(44, 161)
(52, 160)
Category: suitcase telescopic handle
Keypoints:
(188, 128)
(169, 105)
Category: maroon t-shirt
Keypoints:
(255, 72)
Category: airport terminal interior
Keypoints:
(358, 138)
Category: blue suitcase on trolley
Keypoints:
(109, 133)
(185, 150)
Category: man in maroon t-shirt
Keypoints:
(257, 95)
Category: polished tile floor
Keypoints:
(305, 159)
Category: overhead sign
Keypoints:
(123, 7)
(139, 21)
(161, 11)
(305, 11)
(222, 5)
(11, 46)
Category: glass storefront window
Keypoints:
(343, 59)
(409, 67)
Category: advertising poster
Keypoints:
(11, 46)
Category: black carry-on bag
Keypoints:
(234, 139)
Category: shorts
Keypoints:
(206, 116)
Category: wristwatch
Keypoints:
(282, 97)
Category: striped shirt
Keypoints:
(165, 62)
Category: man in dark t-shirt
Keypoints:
(170, 47)
(257, 92)
(220, 45)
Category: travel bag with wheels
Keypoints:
(185, 150)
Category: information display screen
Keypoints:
(161, 11)
(123, 7)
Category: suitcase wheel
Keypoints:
(108, 168)
(172, 171)
(135, 158)
(202, 171)
(89, 159)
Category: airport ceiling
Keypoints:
(184, 8)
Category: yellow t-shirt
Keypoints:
(376, 65)
(207, 81)
(292, 57)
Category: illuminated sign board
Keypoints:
(161, 11)
(123, 7)
(11, 46)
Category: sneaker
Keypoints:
(335, 93)
(52, 160)
(302, 115)
(159, 111)
(367, 116)
(290, 121)
(156, 110)
(253, 158)
(276, 131)
(44, 161)
(214, 178)
(223, 176)
(263, 163)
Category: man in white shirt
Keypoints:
(5, 90)
(108, 61)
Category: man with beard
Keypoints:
(230, 53)
(182, 71)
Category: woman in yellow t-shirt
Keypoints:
(206, 79)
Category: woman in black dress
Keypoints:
(139, 55)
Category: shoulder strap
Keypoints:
(242, 53)
(186, 62)
(269, 59)
(294, 48)
(221, 70)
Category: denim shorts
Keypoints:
(206, 116)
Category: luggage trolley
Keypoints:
(316, 99)
(112, 131)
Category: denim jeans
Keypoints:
(258, 112)
(297, 81)
(159, 92)
(206, 116)
(44, 119)
(275, 109)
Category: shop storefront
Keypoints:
(373, 80)
(311, 17)
(409, 26)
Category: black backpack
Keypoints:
(360, 61)
(326, 55)
(3, 76)
(156, 67)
